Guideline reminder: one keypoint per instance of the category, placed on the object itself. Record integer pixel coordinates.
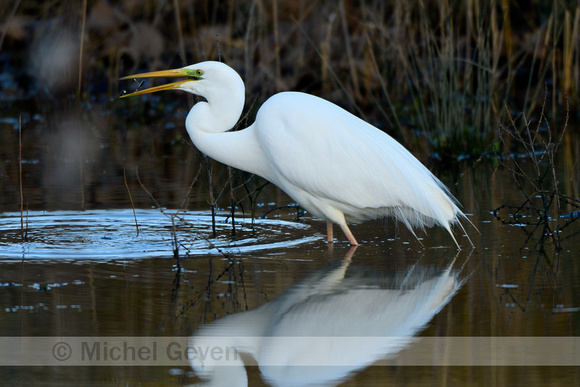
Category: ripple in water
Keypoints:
(111, 234)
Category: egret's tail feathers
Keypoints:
(413, 219)
(463, 228)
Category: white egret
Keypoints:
(333, 164)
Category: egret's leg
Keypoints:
(349, 235)
(329, 232)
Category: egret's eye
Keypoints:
(196, 73)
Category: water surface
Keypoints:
(87, 267)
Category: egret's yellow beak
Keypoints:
(164, 73)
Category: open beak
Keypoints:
(157, 74)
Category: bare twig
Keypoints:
(181, 218)
(540, 149)
(131, 198)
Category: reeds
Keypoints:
(451, 77)
(433, 73)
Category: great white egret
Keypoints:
(333, 164)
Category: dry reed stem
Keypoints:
(7, 21)
(81, 50)
(179, 31)
(570, 36)
(20, 177)
(349, 54)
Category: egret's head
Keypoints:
(205, 79)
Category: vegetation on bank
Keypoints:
(434, 74)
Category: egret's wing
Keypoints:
(328, 152)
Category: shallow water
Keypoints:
(89, 267)
(78, 235)
(100, 286)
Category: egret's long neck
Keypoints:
(208, 124)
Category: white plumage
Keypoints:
(333, 164)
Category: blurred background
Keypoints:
(437, 75)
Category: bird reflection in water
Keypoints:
(329, 325)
